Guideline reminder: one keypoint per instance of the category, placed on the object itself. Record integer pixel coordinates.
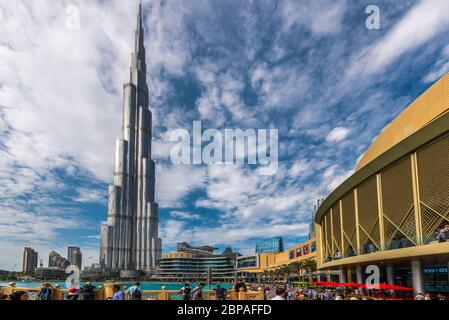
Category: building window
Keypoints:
(305, 249)
(291, 254)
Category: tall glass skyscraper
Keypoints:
(129, 238)
(275, 244)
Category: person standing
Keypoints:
(280, 294)
(89, 291)
(118, 292)
(419, 296)
(186, 290)
(74, 293)
(197, 293)
(239, 285)
(19, 295)
(220, 293)
(443, 235)
(46, 292)
(134, 292)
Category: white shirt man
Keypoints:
(280, 294)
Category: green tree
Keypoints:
(310, 265)
(298, 267)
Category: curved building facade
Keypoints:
(184, 266)
(388, 212)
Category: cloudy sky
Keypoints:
(308, 68)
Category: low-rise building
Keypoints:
(250, 265)
(50, 273)
(196, 264)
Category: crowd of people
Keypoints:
(285, 291)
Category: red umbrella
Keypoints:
(338, 284)
(384, 286)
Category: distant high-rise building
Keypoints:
(74, 256)
(56, 260)
(30, 258)
(129, 238)
(275, 244)
(312, 233)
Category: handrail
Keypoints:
(105, 293)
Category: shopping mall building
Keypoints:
(387, 213)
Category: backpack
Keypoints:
(219, 292)
(136, 294)
(44, 294)
(88, 289)
(187, 290)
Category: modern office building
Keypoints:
(388, 212)
(74, 256)
(129, 239)
(195, 263)
(260, 262)
(270, 245)
(30, 259)
(55, 260)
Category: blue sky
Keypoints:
(308, 68)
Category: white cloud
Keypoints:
(300, 167)
(322, 17)
(174, 182)
(337, 134)
(281, 86)
(423, 22)
(90, 195)
(174, 231)
(440, 68)
(184, 215)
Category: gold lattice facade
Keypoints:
(398, 197)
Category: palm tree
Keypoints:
(287, 272)
(298, 267)
(270, 274)
(265, 276)
(310, 265)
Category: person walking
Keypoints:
(134, 292)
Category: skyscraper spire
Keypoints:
(129, 238)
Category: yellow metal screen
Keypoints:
(328, 235)
(368, 214)
(398, 208)
(433, 182)
(349, 227)
(336, 224)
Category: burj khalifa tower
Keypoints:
(129, 238)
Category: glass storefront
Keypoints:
(436, 279)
